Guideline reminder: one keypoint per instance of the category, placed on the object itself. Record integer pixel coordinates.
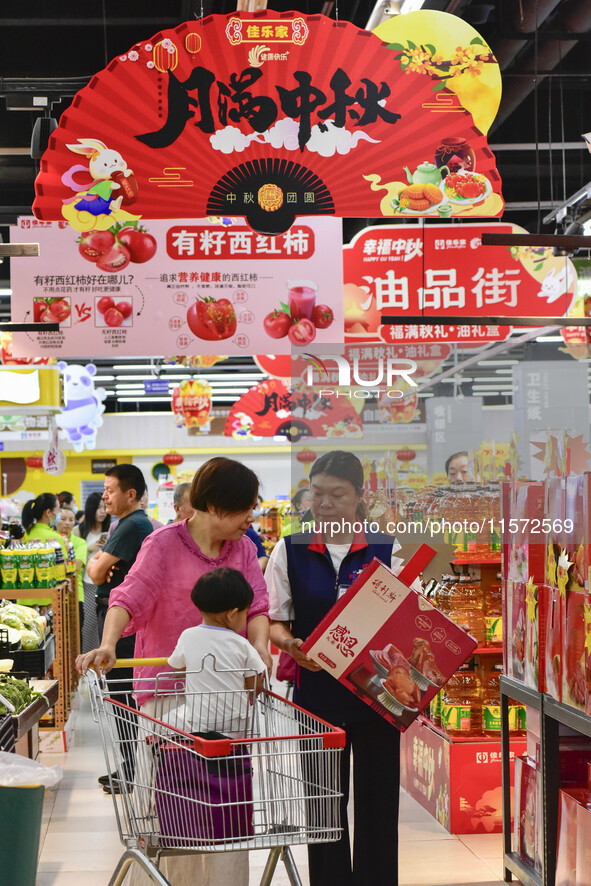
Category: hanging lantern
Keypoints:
(173, 458)
(34, 461)
(191, 403)
(192, 42)
(405, 454)
(306, 457)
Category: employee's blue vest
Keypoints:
(314, 587)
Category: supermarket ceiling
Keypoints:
(543, 48)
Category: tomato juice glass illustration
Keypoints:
(301, 298)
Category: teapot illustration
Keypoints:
(426, 174)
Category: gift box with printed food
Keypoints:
(587, 610)
(573, 652)
(536, 614)
(525, 825)
(388, 644)
(522, 530)
(515, 635)
(576, 530)
(569, 802)
(583, 856)
(553, 647)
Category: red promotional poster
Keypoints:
(388, 644)
(270, 116)
(407, 271)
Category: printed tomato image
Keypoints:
(39, 306)
(93, 244)
(113, 317)
(109, 313)
(140, 245)
(277, 324)
(115, 259)
(60, 308)
(52, 310)
(302, 332)
(322, 316)
(104, 303)
(212, 319)
(124, 308)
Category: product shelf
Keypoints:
(520, 692)
(524, 872)
(461, 739)
(567, 715)
(488, 650)
(468, 561)
(66, 627)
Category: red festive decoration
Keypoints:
(306, 456)
(405, 454)
(34, 461)
(173, 458)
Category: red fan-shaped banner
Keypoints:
(268, 116)
(270, 409)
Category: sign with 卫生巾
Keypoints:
(271, 116)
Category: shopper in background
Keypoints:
(124, 488)
(300, 503)
(307, 574)
(67, 499)
(156, 524)
(155, 601)
(181, 502)
(38, 519)
(93, 528)
(66, 521)
(457, 468)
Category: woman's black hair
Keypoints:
(226, 485)
(90, 508)
(221, 590)
(34, 509)
(345, 466)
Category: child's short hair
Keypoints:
(221, 590)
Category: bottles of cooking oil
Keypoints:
(461, 711)
(466, 607)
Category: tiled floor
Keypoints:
(80, 842)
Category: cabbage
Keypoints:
(29, 639)
(11, 621)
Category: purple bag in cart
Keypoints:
(200, 801)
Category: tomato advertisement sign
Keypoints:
(181, 287)
(438, 270)
(271, 116)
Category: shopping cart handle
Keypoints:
(141, 662)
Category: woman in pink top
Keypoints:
(154, 602)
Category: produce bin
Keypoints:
(36, 662)
(20, 813)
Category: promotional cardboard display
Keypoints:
(388, 644)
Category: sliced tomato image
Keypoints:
(212, 319)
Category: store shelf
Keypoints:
(468, 561)
(522, 870)
(567, 715)
(488, 650)
(462, 739)
(33, 713)
(520, 692)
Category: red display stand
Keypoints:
(458, 781)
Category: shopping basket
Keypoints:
(213, 772)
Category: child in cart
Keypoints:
(223, 671)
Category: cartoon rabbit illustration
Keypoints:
(105, 167)
(554, 285)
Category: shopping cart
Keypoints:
(255, 774)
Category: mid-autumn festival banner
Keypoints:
(271, 116)
(183, 286)
(440, 270)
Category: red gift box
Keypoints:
(569, 803)
(573, 652)
(554, 646)
(583, 856)
(527, 825)
(388, 644)
(536, 616)
(515, 619)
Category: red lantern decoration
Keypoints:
(306, 457)
(173, 458)
(34, 461)
(405, 454)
